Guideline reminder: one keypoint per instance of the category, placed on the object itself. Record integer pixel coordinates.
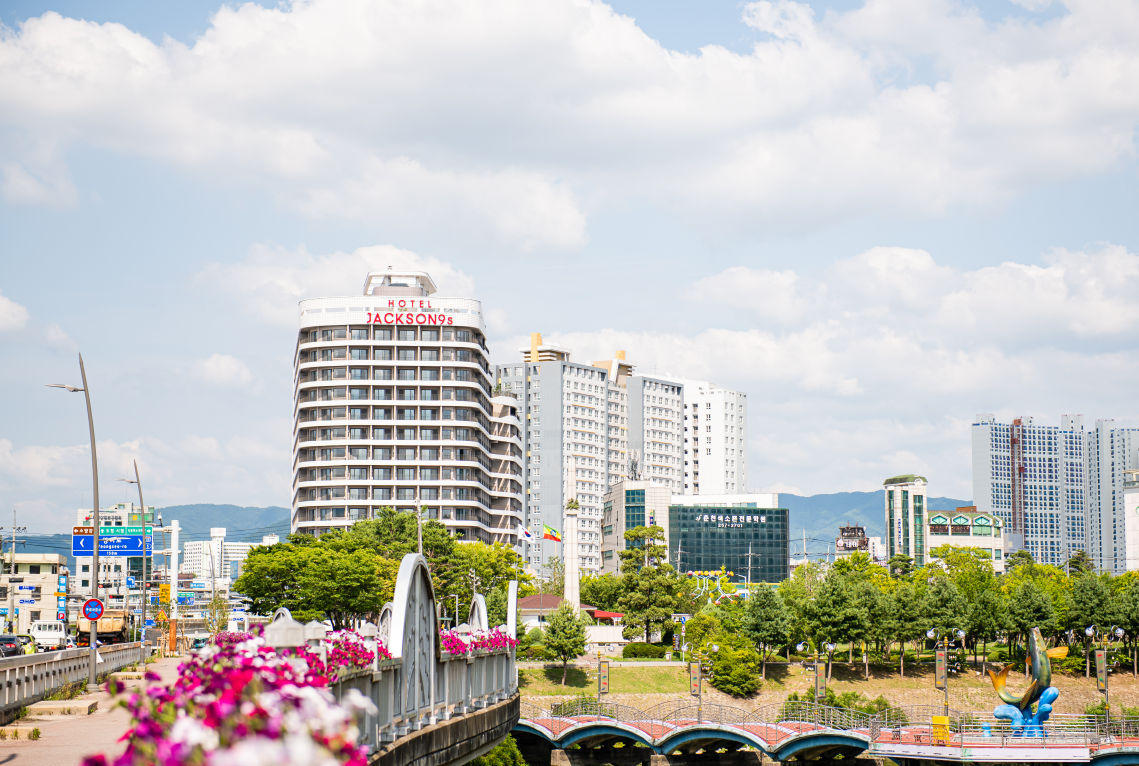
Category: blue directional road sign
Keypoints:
(27, 601)
(130, 582)
(113, 541)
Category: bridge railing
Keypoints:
(28, 678)
(421, 684)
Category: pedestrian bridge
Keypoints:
(583, 731)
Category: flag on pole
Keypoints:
(524, 533)
(549, 533)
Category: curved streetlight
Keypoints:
(138, 481)
(93, 679)
(936, 635)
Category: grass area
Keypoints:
(548, 681)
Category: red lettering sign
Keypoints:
(397, 318)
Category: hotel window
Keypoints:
(429, 335)
(405, 374)
(407, 334)
(383, 355)
(381, 474)
(357, 334)
(381, 374)
(383, 334)
(405, 453)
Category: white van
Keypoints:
(49, 634)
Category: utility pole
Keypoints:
(138, 481)
(11, 571)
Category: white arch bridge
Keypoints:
(434, 708)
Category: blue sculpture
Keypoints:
(1018, 710)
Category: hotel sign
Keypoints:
(395, 317)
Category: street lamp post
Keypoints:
(1095, 634)
(93, 680)
(138, 481)
(941, 670)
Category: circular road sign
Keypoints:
(92, 609)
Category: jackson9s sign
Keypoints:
(396, 317)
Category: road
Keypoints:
(66, 740)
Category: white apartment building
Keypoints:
(590, 425)
(1131, 518)
(217, 558)
(394, 407)
(1035, 478)
(906, 507)
(715, 438)
(567, 414)
(1110, 452)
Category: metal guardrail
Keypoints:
(29, 678)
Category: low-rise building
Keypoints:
(628, 505)
(966, 528)
(29, 593)
(746, 534)
(853, 539)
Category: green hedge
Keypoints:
(639, 649)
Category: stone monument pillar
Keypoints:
(570, 550)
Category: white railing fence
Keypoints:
(421, 684)
(29, 678)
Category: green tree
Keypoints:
(1016, 558)
(985, 618)
(904, 619)
(765, 621)
(349, 586)
(565, 636)
(1030, 608)
(1080, 563)
(217, 614)
(900, 566)
(868, 616)
(797, 592)
(642, 548)
(1126, 608)
(493, 566)
(943, 607)
(602, 591)
(733, 668)
(1090, 604)
(505, 753)
(650, 598)
(553, 579)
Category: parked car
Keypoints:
(9, 646)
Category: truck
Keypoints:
(111, 628)
(49, 634)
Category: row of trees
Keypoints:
(346, 576)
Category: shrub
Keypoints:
(3, 734)
(639, 649)
(505, 753)
(34, 734)
(1100, 708)
(734, 671)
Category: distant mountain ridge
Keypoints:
(820, 516)
(242, 524)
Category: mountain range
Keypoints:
(817, 517)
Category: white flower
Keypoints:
(193, 732)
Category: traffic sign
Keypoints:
(25, 587)
(92, 609)
(164, 593)
(162, 616)
(149, 623)
(130, 582)
(27, 601)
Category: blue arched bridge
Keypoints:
(807, 732)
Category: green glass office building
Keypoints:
(733, 531)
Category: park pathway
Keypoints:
(66, 740)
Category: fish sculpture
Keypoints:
(1041, 672)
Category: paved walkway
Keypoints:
(66, 740)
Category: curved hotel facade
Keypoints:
(394, 406)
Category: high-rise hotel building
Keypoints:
(394, 407)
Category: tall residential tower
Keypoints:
(394, 407)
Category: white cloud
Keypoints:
(877, 367)
(507, 120)
(251, 468)
(13, 316)
(55, 335)
(222, 370)
(271, 281)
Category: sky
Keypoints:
(877, 218)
